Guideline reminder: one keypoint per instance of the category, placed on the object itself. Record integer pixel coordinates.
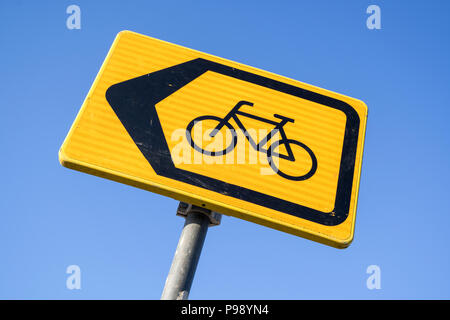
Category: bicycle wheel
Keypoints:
(309, 174)
(194, 145)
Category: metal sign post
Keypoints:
(187, 254)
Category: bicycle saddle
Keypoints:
(276, 115)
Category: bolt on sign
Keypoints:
(222, 135)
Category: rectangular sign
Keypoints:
(222, 135)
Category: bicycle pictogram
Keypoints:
(258, 146)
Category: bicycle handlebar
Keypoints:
(241, 103)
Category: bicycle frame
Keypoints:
(233, 114)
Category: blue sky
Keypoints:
(124, 238)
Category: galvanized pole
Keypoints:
(187, 254)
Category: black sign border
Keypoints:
(134, 102)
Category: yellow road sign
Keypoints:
(222, 135)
